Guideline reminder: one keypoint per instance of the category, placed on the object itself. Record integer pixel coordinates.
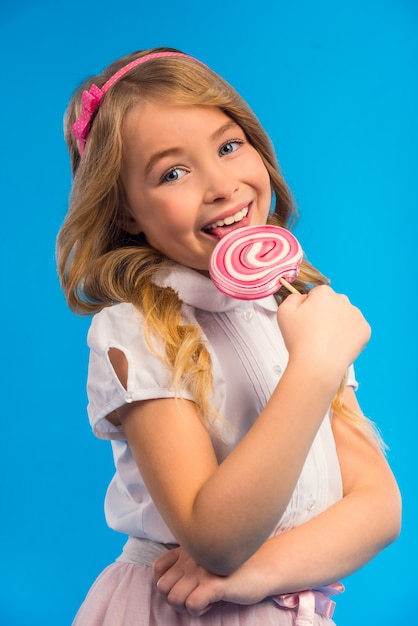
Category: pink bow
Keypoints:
(310, 602)
(90, 101)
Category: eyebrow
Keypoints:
(223, 128)
(160, 155)
(177, 151)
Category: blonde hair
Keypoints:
(99, 264)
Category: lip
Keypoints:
(228, 213)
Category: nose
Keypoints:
(219, 183)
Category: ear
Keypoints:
(126, 222)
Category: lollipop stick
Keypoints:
(288, 286)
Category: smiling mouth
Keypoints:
(217, 228)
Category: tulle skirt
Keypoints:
(125, 595)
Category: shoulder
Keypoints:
(114, 314)
(116, 323)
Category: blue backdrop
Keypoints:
(335, 84)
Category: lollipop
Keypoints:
(253, 261)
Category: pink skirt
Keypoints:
(125, 595)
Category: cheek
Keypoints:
(167, 215)
(264, 189)
(262, 181)
(265, 176)
(261, 175)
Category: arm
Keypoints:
(329, 547)
(343, 538)
(221, 514)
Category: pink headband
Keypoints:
(91, 99)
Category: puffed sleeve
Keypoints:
(121, 327)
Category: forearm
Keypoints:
(332, 545)
(321, 551)
(277, 445)
(348, 534)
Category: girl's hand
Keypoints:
(186, 586)
(190, 588)
(323, 330)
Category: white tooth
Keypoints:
(239, 215)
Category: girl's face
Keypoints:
(190, 177)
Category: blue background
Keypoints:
(335, 84)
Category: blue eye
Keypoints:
(230, 147)
(173, 175)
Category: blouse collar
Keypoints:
(197, 290)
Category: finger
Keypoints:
(168, 580)
(293, 301)
(200, 600)
(164, 563)
(180, 592)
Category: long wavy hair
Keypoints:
(99, 264)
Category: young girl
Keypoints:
(246, 477)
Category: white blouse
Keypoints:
(248, 356)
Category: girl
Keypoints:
(244, 468)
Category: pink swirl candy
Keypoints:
(250, 262)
